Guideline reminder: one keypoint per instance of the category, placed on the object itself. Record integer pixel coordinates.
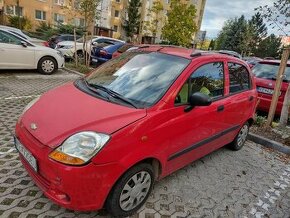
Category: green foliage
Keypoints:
(88, 8)
(180, 25)
(269, 47)
(22, 23)
(82, 68)
(157, 18)
(211, 45)
(260, 120)
(132, 23)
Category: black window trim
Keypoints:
(214, 99)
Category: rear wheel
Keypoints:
(131, 191)
(47, 65)
(241, 138)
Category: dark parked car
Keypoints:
(252, 61)
(52, 41)
(104, 52)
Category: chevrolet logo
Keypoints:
(33, 126)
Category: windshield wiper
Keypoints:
(112, 93)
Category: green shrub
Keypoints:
(260, 120)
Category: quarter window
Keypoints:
(239, 78)
(207, 79)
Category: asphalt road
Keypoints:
(253, 182)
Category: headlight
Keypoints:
(79, 148)
(30, 104)
(59, 53)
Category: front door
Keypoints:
(195, 133)
(13, 55)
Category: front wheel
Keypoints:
(131, 191)
(47, 65)
(241, 138)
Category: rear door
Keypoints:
(13, 55)
(241, 95)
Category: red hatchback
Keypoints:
(103, 140)
(266, 73)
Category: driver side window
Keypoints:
(9, 38)
(207, 79)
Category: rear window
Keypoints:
(269, 71)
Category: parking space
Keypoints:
(253, 182)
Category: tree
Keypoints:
(180, 25)
(132, 22)
(269, 47)
(88, 9)
(211, 45)
(277, 14)
(157, 17)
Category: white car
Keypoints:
(67, 48)
(19, 32)
(18, 53)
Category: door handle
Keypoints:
(251, 98)
(220, 108)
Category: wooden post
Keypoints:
(278, 84)
(75, 44)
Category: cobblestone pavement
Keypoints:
(253, 182)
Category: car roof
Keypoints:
(187, 53)
(19, 37)
(16, 31)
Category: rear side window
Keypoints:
(207, 79)
(239, 78)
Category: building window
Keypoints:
(59, 2)
(118, 1)
(117, 13)
(59, 18)
(115, 28)
(40, 15)
(12, 10)
(77, 4)
(80, 22)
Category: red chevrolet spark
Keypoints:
(103, 140)
(266, 73)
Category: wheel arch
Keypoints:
(48, 56)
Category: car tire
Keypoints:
(241, 137)
(47, 65)
(131, 191)
(80, 54)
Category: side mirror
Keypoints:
(198, 99)
(24, 44)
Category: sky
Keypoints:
(218, 11)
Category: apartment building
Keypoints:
(53, 12)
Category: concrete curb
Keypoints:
(72, 71)
(269, 143)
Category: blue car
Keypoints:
(104, 51)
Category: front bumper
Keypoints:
(82, 188)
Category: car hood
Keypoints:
(66, 110)
(66, 43)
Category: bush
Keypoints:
(22, 23)
(260, 120)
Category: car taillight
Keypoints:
(46, 44)
(103, 53)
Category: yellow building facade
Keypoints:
(49, 11)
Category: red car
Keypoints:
(266, 72)
(103, 140)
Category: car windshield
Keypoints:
(140, 77)
(269, 71)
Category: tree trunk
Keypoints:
(75, 44)
(278, 84)
(285, 109)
